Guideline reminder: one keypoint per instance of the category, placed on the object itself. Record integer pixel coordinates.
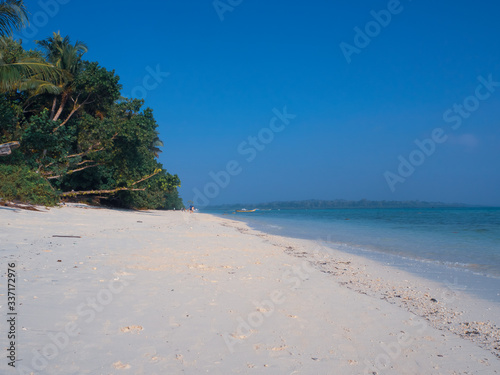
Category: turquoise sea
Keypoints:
(459, 246)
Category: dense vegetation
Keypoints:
(78, 138)
(314, 204)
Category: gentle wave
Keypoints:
(462, 239)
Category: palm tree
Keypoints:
(67, 58)
(156, 144)
(13, 16)
(25, 73)
(61, 53)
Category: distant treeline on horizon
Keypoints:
(338, 203)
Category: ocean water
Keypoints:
(460, 246)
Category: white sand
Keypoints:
(179, 293)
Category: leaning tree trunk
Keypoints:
(53, 110)
(64, 99)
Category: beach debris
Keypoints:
(22, 206)
(279, 348)
(65, 236)
(121, 366)
(173, 323)
(241, 337)
(133, 329)
(6, 148)
(438, 314)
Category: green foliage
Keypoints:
(76, 132)
(161, 193)
(11, 51)
(23, 70)
(98, 84)
(9, 116)
(44, 149)
(22, 184)
(61, 53)
(13, 16)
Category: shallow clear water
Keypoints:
(429, 241)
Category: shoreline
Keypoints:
(446, 305)
(156, 291)
(478, 284)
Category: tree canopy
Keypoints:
(79, 139)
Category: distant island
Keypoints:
(315, 204)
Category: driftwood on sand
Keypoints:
(6, 148)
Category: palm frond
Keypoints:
(38, 86)
(13, 16)
(15, 74)
(157, 143)
(61, 53)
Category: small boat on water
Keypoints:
(245, 210)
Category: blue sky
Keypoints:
(360, 81)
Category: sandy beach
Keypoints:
(101, 291)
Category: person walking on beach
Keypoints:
(191, 208)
